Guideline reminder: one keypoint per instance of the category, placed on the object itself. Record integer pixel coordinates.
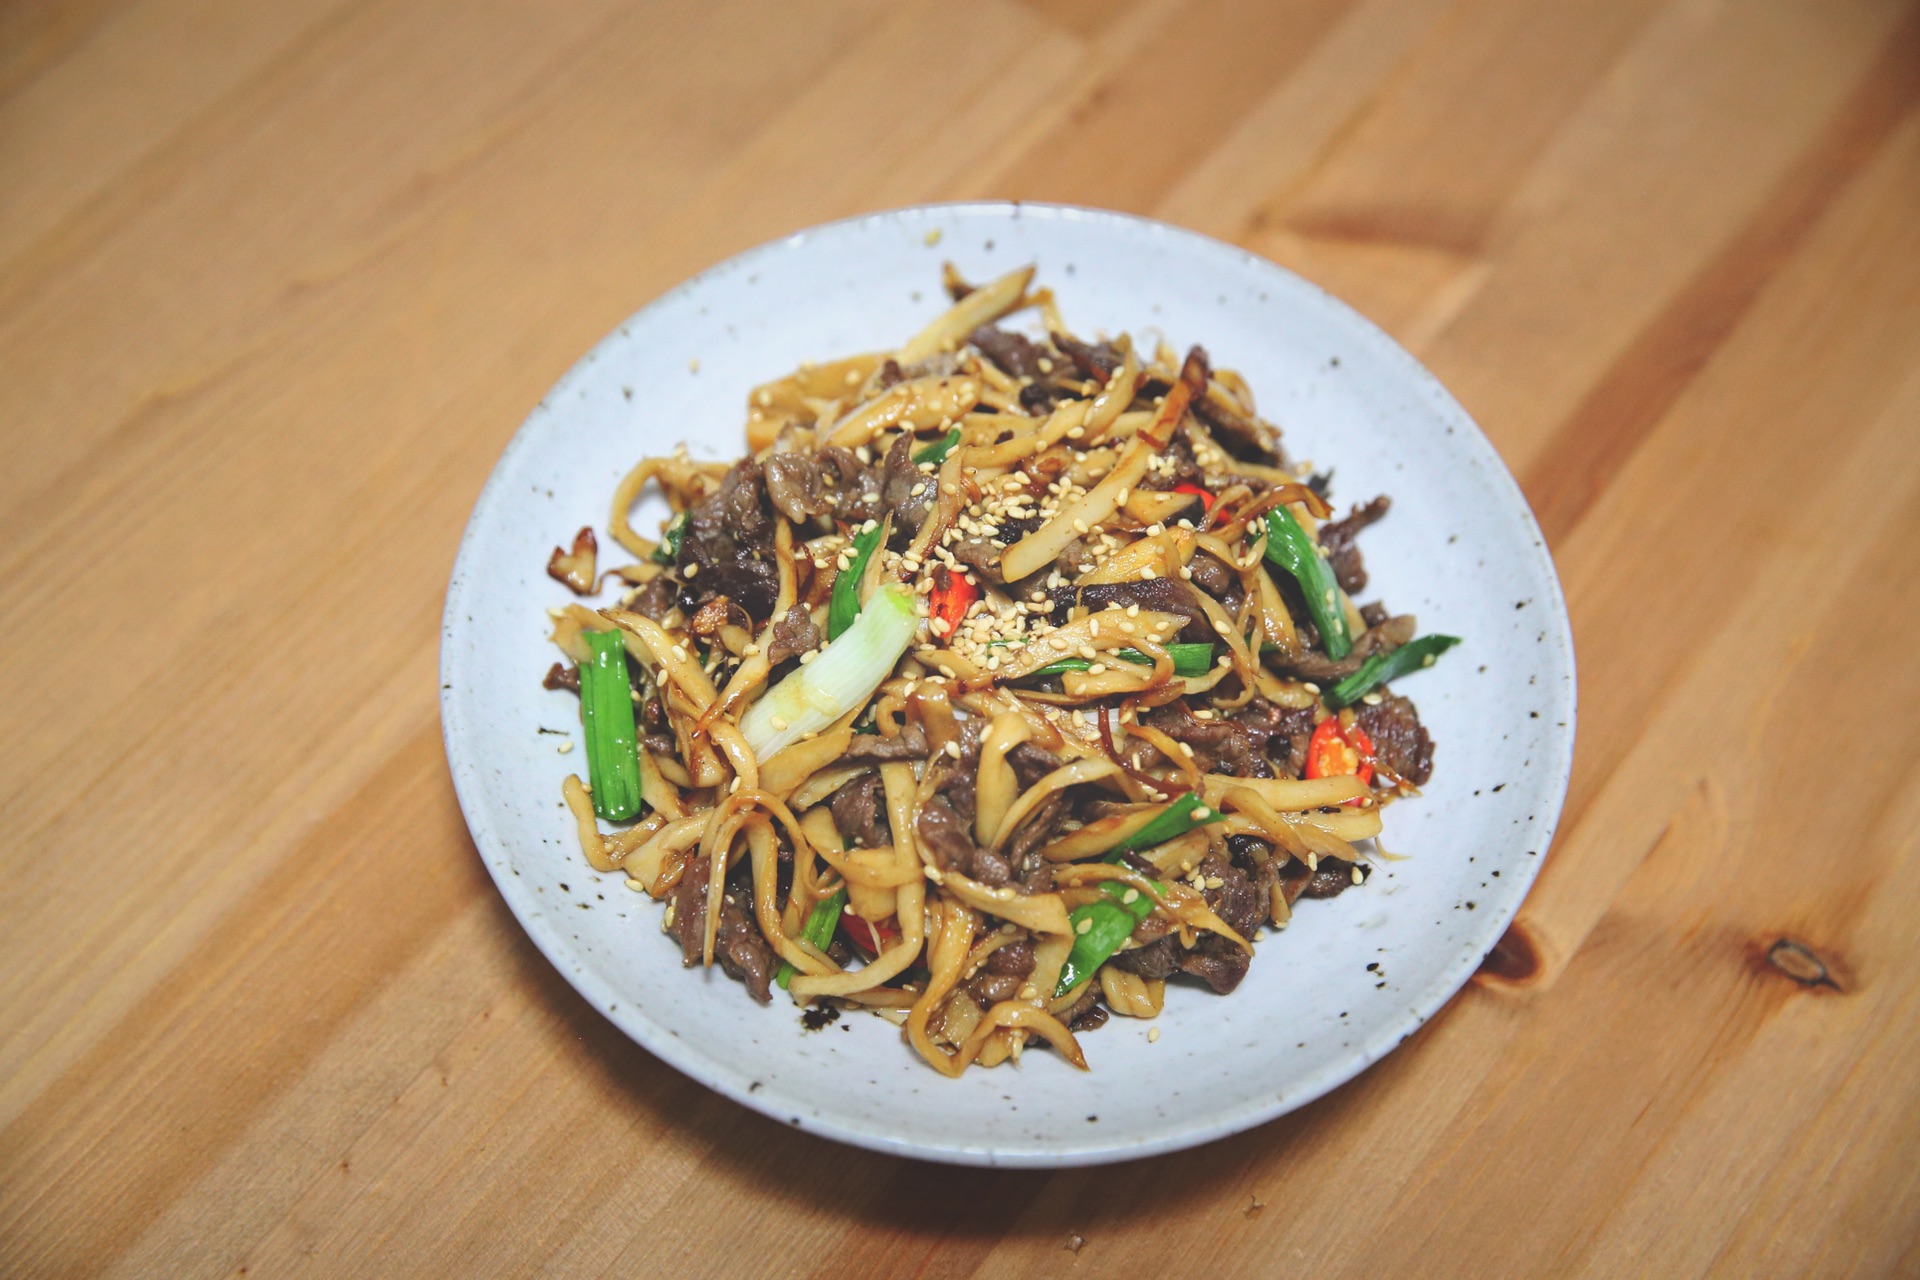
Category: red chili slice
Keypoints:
(1334, 752)
(950, 599)
(1206, 499)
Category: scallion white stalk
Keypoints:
(841, 677)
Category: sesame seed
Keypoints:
(1153, 1035)
(1148, 573)
(1201, 813)
(1130, 897)
(953, 750)
(566, 745)
(692, 571)
(777, 722)
(808, 656)
(636, 885)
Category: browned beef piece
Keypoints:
(793, 635)
(1086, 1013)
(1235, 430)
(1234, 901)
(1336, 537)
(656, 599)
(1031, 763)
(871, 748)
(1166, 595)
(900, 475)
(1219, 746)
(1373, 614)
(1158, 959)
(1015, 353)
(944, 834)
(1217, 962)
(989, 989)
(1400, 741)
(1256, 858)
(1279, 733)
(742, 952)
(1037, 830)
(1015, 959)
(891, 373)
(1095, 360)
(729, 539)
(1039, 398)
(860, 811)
(1213, 577)
(1331, 878)
(1311, 664)
(827, 481)
(958, 779)
(690, 910)
(560, 676)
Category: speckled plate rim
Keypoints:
(1422, 1002)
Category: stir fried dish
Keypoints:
(1007, 676)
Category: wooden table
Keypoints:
(277, 282)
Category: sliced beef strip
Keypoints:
(958, 778)
(900, 475)
(793, 635)
(1158, 959)
(1280, 733)
(1087, 1014)
(655, 600)
(1400, 741)
(561, 676)
(1213, 577)
(1032, 763)
(690, 910)
(729, 541)
(989, 989)
(860, 811)
(739, 947)
(1336, 538)
(1038, 830)
(797, 485)
(1014, 353)
(1217, 962)
(1241, 434)
(942, 832)
(1373, 614)
(1220, 746)
(1311, 664)
(1234, 901)
(1164, 595)
(871, 748)
(1016, 958)
(1096, 360)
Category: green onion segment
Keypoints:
(821, 922)
(839, 679)
(606, 713)
(1382, 667)
(844, 606)
(1293, 549)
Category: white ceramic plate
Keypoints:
(1350, 979)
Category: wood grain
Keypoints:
(277, 283)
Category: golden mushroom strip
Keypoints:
(983, 306)
(1071, 774)
(764, 851)
(951, 931)
(1019, 1014)
(1130, 995)
(917, 404)
(1289, 793)
(581, 806)
(997, 787)
(1045, 544)
(1039, 912)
